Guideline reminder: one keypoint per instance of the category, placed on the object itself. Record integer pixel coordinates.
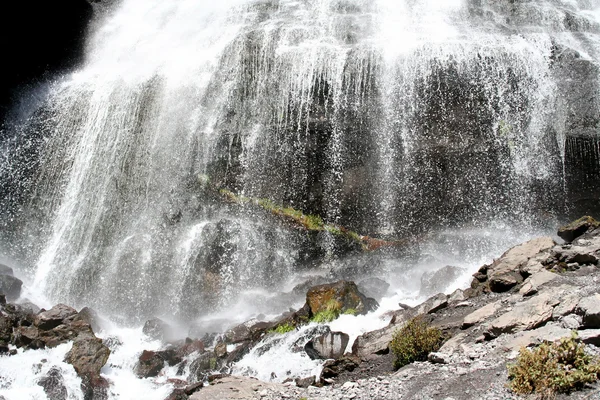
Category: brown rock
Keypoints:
(577, 228)
(54, 317)
(88, 356)
(344, 294)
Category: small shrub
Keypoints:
(553, 368)
(414, 341)
(283, 328)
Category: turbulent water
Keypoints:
(389, 117)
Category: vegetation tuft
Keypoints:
(548, 369)
(331, 312)
(283, 328)
(414, 341)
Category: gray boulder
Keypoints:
(10, 286)
(330, 345)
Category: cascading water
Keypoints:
(391, 118)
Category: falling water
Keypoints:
(388, 117)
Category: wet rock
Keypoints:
(54, 385)
(91, 317)
(373, 287)
(481, 314)
(149, 364)
(438, 281)
(577, 228)
(333, 368)
(6, 270)
(344, 293)
(330, 345)
(157, 329)
(221, 350)
(184, 393)
(524, 316)
(305, 382)
(88, 356)
(10, 287)
(54, 317)
(504, 273)
(190, 346)
(94, 388)
(433, 304)
(29, 306)
(200, 367)
(2, 299)
(375, 343)
(589, 307)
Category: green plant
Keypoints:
(283, 328)
(350, 311)
(559, 367)
(414, 341)
(332, 311)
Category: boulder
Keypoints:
(343, 294)
(6, 270)
(305, 382)
(375, 343)
(88, 356)
(333, 368)
(157, 329)
(53, 384)
(149, 364)
(329, 345)
(533, 282)
(577, 228)
(504, 273)
(438, 281)
(547, 333)
(91, 317)
(589, 307)
(10, 287)
(524, 316)
(373, 287)
(54, 317)
(590, 336)
(433, 304)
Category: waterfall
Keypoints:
(388, 117)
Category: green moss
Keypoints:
(213, 363)
(331, 312)
(283, 328)
(553, 368)
(350, 311)
(414, 341)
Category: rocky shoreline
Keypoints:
(537, 291)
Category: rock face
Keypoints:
(329, 345)
(577, 228)
(343, 293)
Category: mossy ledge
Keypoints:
(310, 222)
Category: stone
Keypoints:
(481, 314)
(329, 345)
(438, 281)
(149, 364)
(233, 387)
(94, 387)
(571, 321)
(569, 298)
(504, 273)
(524, 316)
(589, 307)
(343, 294)
(91, 317)
(577, 228)
(547, 333)
(438, 358)
(54, 317)
(433, 304)
(221, 350)
(6, 270)
(453, 344)
(533, 282)
(590, 336)
(333, 368)
(305, 382)
(10, 287)
(53, 384)
(457, 296)
(157, 329)
(375, 343)
(373, 287)
(88, 356)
